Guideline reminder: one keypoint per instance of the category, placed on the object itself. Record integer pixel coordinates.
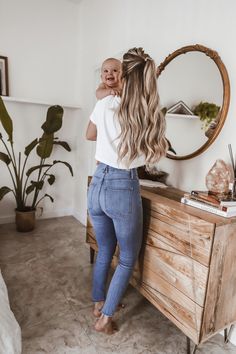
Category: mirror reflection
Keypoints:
(191, 87)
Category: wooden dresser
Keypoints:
(187, 265)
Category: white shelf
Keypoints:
(32, 101)
(185, 116)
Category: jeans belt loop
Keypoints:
(105, 170)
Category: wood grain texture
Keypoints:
(182, 210)
(166, 311)
(89, 228)
(185, 274)
(168, 214)
(220, 307)
(182, 311)
(194, 245)
(91, 240)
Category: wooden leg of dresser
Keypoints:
(189, 347)
(92, 253)
(227, 333)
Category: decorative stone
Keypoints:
(218, 178)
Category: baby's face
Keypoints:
(110, 73)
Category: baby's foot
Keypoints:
(105, 325)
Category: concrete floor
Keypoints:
(48, 276)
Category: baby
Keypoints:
(110, 75)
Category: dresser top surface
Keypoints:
(172, 197)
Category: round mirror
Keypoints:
(195, 91)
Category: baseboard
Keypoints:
(8, 219)
(82, 218)
(56, 213)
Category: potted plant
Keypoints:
(208, 113)
(28, 182)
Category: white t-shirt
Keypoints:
(108, 129)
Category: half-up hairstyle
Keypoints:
(141, 120)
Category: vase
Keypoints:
(25, 220)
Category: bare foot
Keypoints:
(98, 308)
(99, 305)
(105, 325)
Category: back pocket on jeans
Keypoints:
(118, 202)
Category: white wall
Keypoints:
(110, 27)
(40, 40)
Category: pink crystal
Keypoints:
(218, 178)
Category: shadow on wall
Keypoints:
(187, 173)
(7, 208)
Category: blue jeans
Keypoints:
(115, 209)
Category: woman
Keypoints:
(130, 132)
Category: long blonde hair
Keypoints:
(141, 120)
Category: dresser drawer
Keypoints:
(181, 310)
(179, 214)
(182, 272)
(190, 235)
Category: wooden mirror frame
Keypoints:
(226, 92)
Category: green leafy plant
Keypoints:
(30, 180)
(207, 113)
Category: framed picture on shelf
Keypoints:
(3, 76)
